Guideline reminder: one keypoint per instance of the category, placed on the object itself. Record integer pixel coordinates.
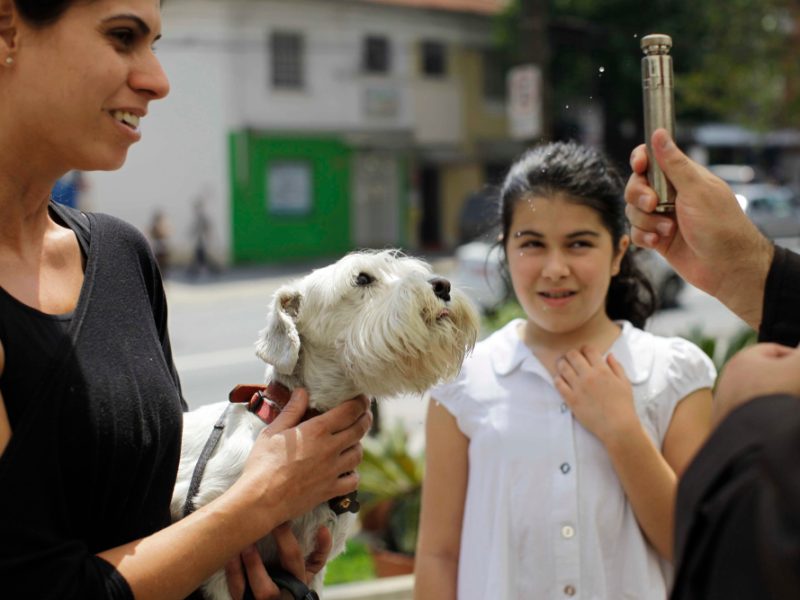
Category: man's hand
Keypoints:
(759, 370)
(709, 240)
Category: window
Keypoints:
(287, 50)
(494, 76)
(434, 59)
(376, 57)
(289, 188)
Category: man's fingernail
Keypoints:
(651, 239)
(643, 202)
(666, 142)
(664, 228)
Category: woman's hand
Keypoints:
(598, 393)
(295, 466)
(291, 559)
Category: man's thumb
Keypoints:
(677, 167)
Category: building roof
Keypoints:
(485, 7)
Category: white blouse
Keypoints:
(546, 516)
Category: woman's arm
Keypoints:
(601, 398)
(5, 426)
(289, 471)
(443, 495)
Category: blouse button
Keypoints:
(564, 407)
(570, 590)
(565, 468)
(567, 531)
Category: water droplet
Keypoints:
(602, 69)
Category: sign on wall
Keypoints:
(525, 102)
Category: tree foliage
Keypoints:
(734, 60)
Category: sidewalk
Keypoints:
(388, 588)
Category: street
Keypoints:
(214, 324)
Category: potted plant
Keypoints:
(390, 493)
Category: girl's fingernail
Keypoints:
(643, 202)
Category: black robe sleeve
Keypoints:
(738, 508)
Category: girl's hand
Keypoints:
(291, 559)
(598, 393)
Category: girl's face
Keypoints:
(561, 259)
(80, 87)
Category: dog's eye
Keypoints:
(364, 279)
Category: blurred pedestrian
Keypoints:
(69, 188)
(160, 232)
(738, 510)
(201, 232)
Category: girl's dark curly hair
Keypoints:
(583, 175)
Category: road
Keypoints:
(214, 324)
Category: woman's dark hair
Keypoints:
(583, 175)
(43, 12)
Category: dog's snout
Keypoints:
(441, 287)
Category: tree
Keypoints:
(734, 61)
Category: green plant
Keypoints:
(720, 350)
(391, 474)
(354, 564)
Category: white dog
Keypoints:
(374, 323)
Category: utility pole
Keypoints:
(535, 50)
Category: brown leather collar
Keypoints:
(265, 401)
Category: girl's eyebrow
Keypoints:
(144, 28)
(574, 234)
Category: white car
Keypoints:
(478, 272)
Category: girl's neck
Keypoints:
(548, 346)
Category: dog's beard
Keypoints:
(394, 353)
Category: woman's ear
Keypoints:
(9, 19)
(622, 248)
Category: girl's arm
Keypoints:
(650, 478)
(601, 398)
(443, 494)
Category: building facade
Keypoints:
(313, 127)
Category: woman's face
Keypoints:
(561, 259)
(80, 87)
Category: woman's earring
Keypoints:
(9, 60)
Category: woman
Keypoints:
(552, 461)
(90, 403)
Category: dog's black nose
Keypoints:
(441, 287)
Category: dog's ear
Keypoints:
(279, 343)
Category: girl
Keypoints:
(90, 403)
(552, 460)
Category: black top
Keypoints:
(95, 407)
(738, 511)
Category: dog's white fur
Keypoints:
(338, 337)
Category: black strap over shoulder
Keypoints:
(286, 581)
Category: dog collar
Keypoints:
(267, 402)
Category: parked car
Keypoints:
(772, 208)
(478, 272)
